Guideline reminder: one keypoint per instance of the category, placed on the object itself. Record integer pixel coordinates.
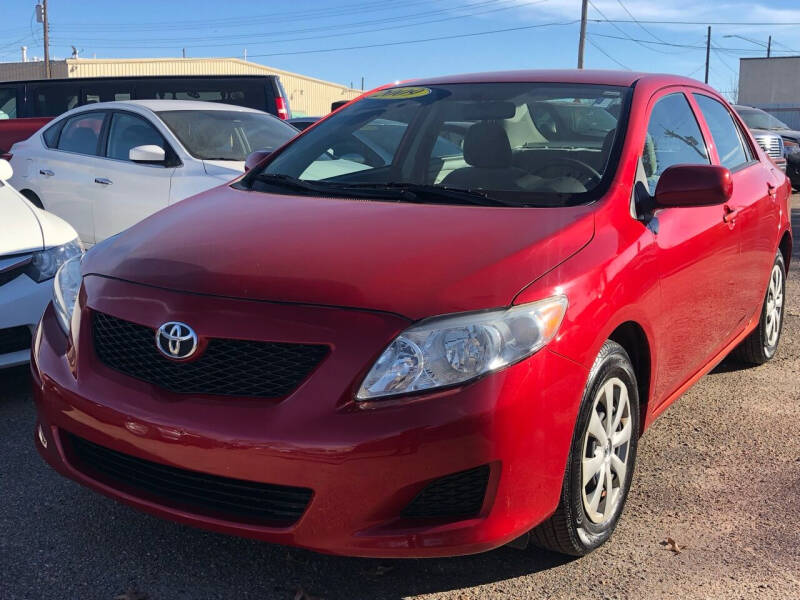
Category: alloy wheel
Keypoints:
(774, 309)
(606, 450)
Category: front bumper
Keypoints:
(22, 302)
(364, 463)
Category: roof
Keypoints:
(160, 105)
(589, 76)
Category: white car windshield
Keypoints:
(226, 134)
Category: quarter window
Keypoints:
(81, 134)
(128, 131)
(730, 147)
(673, 137)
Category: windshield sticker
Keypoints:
(402, 93)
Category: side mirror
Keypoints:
(5, 170)
(693, 185)
(147, 154)
(254, 158)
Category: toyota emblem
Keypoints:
(176, 340)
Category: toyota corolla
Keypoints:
(434, 323)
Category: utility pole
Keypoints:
(769, 46)
(582, 39)
(362, 83)
(41, 17)
(708, 50)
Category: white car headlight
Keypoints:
(66, 285)
(45, 263)
(450, 350)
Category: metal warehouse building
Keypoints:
(307, 95)
(772, 84)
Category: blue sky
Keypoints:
(300, 36)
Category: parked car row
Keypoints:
(435, 322)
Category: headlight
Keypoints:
(790, 147)
(45, 263)
(450, 350)
(66, 285)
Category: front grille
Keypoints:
(771, 144)
(458, 495)
(200, 493)
(226, 367)
(15, 339)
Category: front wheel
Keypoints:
(762, 343)
(601, 461)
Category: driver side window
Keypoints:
(673, 137)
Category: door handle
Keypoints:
(772, 189)
(103, 181)
(730, 214)
(46, 172)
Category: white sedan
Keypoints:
(103, 167)
(33, 245)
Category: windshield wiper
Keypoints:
(425, 192)
(399, 192)
(325, 188)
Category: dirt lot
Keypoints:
(719, 473)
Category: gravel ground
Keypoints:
(719, 473)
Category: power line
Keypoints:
(420, 41)
(642, 27)
(593, 43)
(338, 26)
(739, 23)
(285, 17)
(623, 32)
(331, 35)
(675, 44)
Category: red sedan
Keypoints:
(435, 322)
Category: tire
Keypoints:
(33, 198)
(585, 519)
(762, 343)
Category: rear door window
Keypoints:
(673, 138)
(81, 134)
(730, 146)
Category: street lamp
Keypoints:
(768, 45)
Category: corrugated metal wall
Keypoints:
(31, 70)
(307, 95)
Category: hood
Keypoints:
(224, 169)
(411, 259)
(21, 229)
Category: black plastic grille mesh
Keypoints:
(225, 367)
(15, 339)
(458, 495)
(200, 492)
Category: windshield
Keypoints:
(758, 119)
(516, 143)
(226, 134)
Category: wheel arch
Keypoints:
(632, 337)
(785, 246)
